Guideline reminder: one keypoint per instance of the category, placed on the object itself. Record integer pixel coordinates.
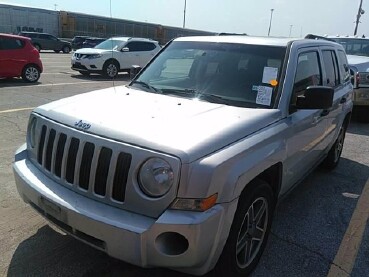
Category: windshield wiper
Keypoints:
(146, 85)
(182, 92)
(193, 93)
(214, 98)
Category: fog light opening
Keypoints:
(171, 244)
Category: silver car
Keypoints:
(183, 167)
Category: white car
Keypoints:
(114, 55)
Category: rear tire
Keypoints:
(56, 51)
(249, 232)
(31, 73)
(38, 47)
(111, 69)
(334, 154)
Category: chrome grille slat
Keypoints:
(93, 169)
(64, 160)
(59, 153)
(53, 154)
(45, 147)
(109, 183)
(77, 166)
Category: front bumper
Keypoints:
(361, 97)
(85, 64)
(186, 241)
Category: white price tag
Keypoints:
(269, 74)
(264, 96)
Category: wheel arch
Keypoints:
(33, 64)
(112, 60)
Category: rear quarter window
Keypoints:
(11, 44)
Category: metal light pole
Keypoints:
(270, 22)
(184, 14)
(359, 13)
(290, 30)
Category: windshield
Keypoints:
(227, 73)
(359, 47)
(110, 44)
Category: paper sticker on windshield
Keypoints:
(264, 96)
(269, 74)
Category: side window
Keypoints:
(11, 44)
(133, 46)
(343, 66)
(308, 73)
(147, 46)
(140, 46)
(331, 68)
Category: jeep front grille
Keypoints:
(83, 165)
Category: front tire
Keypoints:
(31, 73)
(66, 49)
(249, 232)
(111, 69)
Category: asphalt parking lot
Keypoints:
(320, 229)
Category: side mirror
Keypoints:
(125, 49)
(134, 70)
(316, 97)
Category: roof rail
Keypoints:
(231, 34)
(311, 36)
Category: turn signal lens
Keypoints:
(199, 205)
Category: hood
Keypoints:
(186, 128)
(361, 63)
(88, 51)
(64, 41)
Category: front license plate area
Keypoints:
(51, 208)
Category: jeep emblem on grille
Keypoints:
(81, 125)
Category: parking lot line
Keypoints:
(345, 258)
(17, 110)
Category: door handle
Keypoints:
(343, 100)
(325, 112)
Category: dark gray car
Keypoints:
(44, 41)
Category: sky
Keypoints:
(332, 17)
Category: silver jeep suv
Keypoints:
(183, 167)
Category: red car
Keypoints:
(18, 58)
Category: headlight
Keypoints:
(32, 131)
(155, 177)
(95, 56)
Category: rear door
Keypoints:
(12, 58)
(337, 76)
(307, 128)
(140, 53)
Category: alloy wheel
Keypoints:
(112, 70)
(252, 232)
(339, 145)
(32, 74)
